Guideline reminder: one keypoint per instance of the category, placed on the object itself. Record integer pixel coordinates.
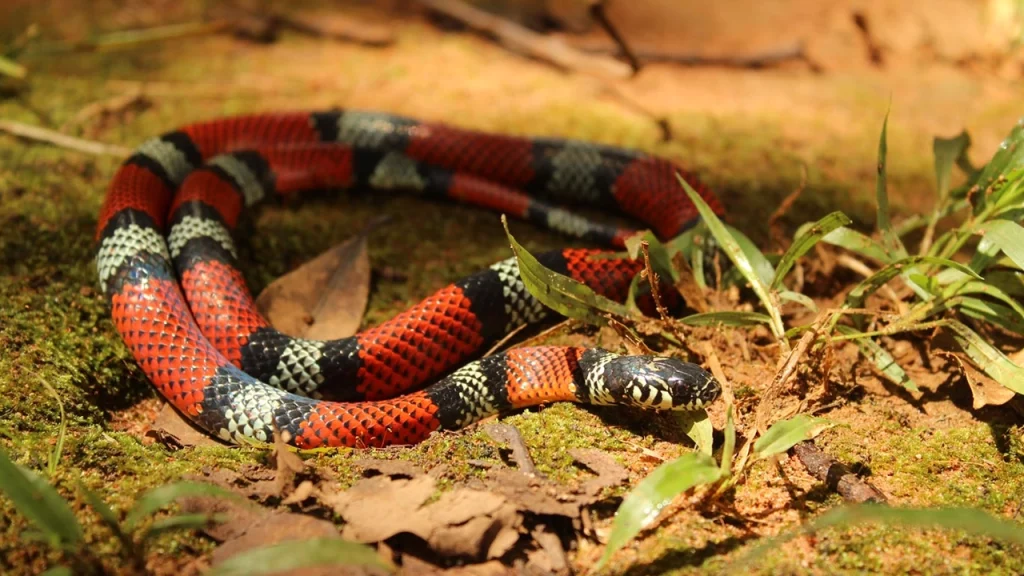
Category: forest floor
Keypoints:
(754, 135)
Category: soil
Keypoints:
(755, 135)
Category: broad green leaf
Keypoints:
(1008, 237)
(972, 521)
(40, 503)
(947, 151)
(785, 434)
(12, 69)
(806, 240)
(661, 259)
(856, 242)
(293, 555)
(987, 357)
(855, 299)
(882, 360)
(562, 294)
(765, 270)
(726, 318)
(990, 290)
(641, 506)
(1009, 281)
(697, 426)
(739, 258)
(1008, 159)
(890, 241)
(162, 496)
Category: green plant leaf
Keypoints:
(53, 458)
(969, 520)
(804, 241)
(181, 522)
(881, 358)
(1002, 316)
(948, 151)
(785, 434)
(1007, 236)
(739, 258)
(296, 554)
(855, 299)
(987, 357)
(729, 446)
(58, 571)
(697, 426)
(763, 267)
(162, 496)
(101, 508)
(890, 241)
(854, 242)
(562, 294)
(994, 176)
(643, 504)
(726, 318)
(40, 503)
(799, 298)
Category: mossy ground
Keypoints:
(55, 328)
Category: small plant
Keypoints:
(939, 293)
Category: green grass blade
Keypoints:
(562, 294)
(12, 69)
(806, 240)
(855, 299)
(854, 242)
(995, 176)
(785, 434)
(799, 298)
(58, 571)
(1008, 237)
(40, 503)
(890, 241)
(972, 521)
(162, 496)
(729, 447)
(102, 509)
(53, 458)
(881, 358)
(947, 152)
(739, 259)
(997, 314)
(697, 426)
(294, 555)
(181, 522)
(641, 506)
(726, 318)
(987, 357)
(765, 270)
(992, 291)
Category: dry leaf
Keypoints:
(325, 298)
(174, 432)
(609, 472)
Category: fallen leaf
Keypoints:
(609, 472)
(174, 432)
(325, 298)
(302, 492)
(377, 508)
(984, 390)
(393, 468)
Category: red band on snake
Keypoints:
(167, 262)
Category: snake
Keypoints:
(168, 266)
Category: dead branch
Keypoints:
(37, 134)
(836, 475)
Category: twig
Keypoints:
(339, 28)
(598, 13)
(763, 59)
(653, 280)
(38, 134)
(836, 475)
(764, 408)
(506, 434)
(774, 224)
(517, 37)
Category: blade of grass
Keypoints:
(971, 521)
(726, 318)
(854, 242)
(725, 466)
(294, 555)
(882, 360)
(785, 434)
(990, 312)
(987, 357)
(40, 503)
(1008, 237)
(890, 241)
(697, 426)
(162, 496)
(643, 504)
(804, 241)
(740, 260)
(855, 299)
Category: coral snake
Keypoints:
(167, 263)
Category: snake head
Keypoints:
(660, 383)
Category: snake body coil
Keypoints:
(167, 263)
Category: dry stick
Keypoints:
(507, 434)
(836, 475)
(652, 280)
(37, 134)
(763, 59)
(764, 408)
(773, 221)
(597, 11)
(525, 40)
